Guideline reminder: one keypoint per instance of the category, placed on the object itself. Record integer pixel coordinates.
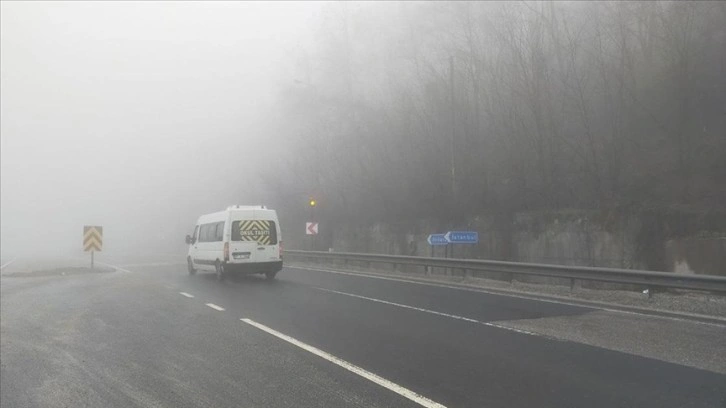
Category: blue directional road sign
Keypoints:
(462, 237)
(437, 239)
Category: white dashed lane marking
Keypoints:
(215, 307)
(187, 295)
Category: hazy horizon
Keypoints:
(114, 113)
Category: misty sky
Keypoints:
(125, 114)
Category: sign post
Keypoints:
(435, 240)
(92, 239)
(461, 237)
(311, 229)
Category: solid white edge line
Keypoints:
(118, 268)
(420, 309)
(154, 264)
(405, 392)
(215, 307)
(7, 263)
(186, 294)
(519, 295)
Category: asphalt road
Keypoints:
(150, 335)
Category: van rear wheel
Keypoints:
(219, 269)
(270, 275)
(190, 266)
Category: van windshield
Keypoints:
(261, 231)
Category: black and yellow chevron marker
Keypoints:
(255, 230)
(92, 238)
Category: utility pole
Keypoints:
(453, 127)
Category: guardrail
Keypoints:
(623, 276)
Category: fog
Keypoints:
(136, 116)
(140, 116)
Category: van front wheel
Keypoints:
(190, 266)
(219, 269)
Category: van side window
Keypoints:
(207, 228)
(219, 231)
(203, 232)
(211, 232)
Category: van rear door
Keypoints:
(253, 240)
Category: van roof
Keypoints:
(259, 210)
(246, 207)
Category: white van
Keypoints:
(240, 239)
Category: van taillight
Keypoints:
(280, 249)
(226, 251)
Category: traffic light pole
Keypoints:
(312, 204)
(312, 236)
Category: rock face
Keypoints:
(671, 243)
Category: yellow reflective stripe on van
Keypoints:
(255, 230)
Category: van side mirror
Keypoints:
(189, 240)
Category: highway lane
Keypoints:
(456, 362)
(115, 340)
(456, 347)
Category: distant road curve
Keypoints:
(7, 263)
